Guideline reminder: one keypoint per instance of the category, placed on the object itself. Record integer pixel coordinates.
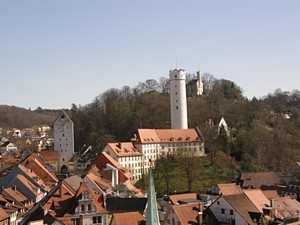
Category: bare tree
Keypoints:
(163, 166)
(188, 163)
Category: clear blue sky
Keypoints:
(55, 53)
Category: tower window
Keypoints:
(175, 93)
(175, 76)
(176, 107)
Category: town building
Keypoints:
(6, 146)
(51, 157)
(153, 143)
(190, 213)
(150, 144)
(127, 156)
(232, 209)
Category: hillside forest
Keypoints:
(264, 133)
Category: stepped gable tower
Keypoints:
(178, 99)
(63, 128)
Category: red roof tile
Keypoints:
(128, 218)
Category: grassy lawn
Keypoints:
(206, 176)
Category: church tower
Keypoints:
(178, 99)
(63, 128)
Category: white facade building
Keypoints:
(154, 143)
(127, 156)
(178, 99)
(234, 209)
(150, 144)
(63, 129)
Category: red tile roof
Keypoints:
(98, 181)
(29, 185)
(146, 136)
(15, 194)
(39, 164)
(128, 218)
(3, 215)
(256, 180)
(98, 200)
(175, 198)
(49, 155)
(59, 202)
(288, 207)
(257, 197)
(188, 213)
(124, 149)
(242, 205)
(103, 159)
(229, 189)
(270, 193)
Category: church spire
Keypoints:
(152, 212)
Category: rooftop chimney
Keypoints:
(200, 215)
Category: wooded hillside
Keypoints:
(15, 117)
(261, 135)
(264, 133)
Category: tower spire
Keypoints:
(152, 212)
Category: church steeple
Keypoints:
(152, 212)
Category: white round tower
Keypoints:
(178, 99)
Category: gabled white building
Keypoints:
(128, 156)
(233, 209)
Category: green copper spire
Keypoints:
(152, 212)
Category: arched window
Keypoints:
(82, 207)
(89, 207)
